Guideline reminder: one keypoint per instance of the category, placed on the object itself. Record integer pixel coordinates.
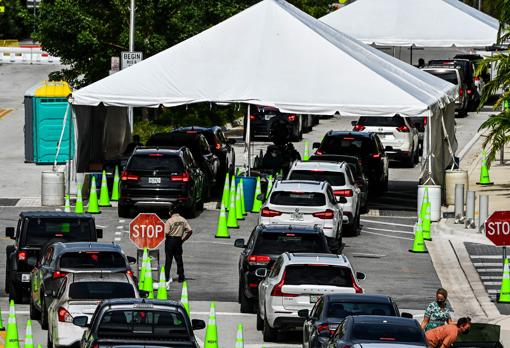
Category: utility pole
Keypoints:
(131, 49)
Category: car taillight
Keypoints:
(127, 176)
(266, 212)
(345, 193)
(476, 78)
(217, 146)
(469, 91)
(64, 316)
(325, 327)
(22, 255)
(376, 155)
(130, 273)
(461, 92)
(252, 117)
(344, 346)
(403, 129)
(184, 177)
(355, 285)
(277, 290)
(96, 345)
(318, 153)
(291, 118)
(58, 274)
(425, 121)
(258, 260)
(358, 128)
(325, 215)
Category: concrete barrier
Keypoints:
(26, 55)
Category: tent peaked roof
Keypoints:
(424, 23)
(273, 54)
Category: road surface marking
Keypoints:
(487, 264)
(118, 233)
(122, 221)
(384, 235)
(117, 239)
(385, 230)
(120, 227)
(489, 270)
(207, 242)
(386, 223)
(101, 226)
(495, 257)
(490, 277)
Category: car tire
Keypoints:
(268, 333)
(364, 209)
(8, 251)
(191, 212)
(35, 314)
(417, 156)
(246, 304)
(260, 322)
(44, 314)
(15, 295)
(124, 211)
(354, 229)
(409, 162)
(333, 245)
(49, 342)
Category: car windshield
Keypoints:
(41, 231)
(347, 145)
(100, 290)
(387, 332)
(143, 324)
(318, 275)
(394, 121)
(448, 75)
(334, 178)
(340, 310)
(92, 259)
(278, 243)
(155, 162)
(302, 199)
(176, 139)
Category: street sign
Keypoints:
(497, 228)
(147, 231)
(130, 58)
(32, 3)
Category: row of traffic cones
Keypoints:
(211, 332)
(11, 336)
(94, 202)
(422, 227)
(233, 207)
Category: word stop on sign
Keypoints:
(147, 231)
(496, 228)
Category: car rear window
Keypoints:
(347, 145)
(142, 324)
(334, 178)
(318, 275)
(42, 231)
(92, 259)
(394, 121)
(450, 75)
(302, 199)
(387, 332)
(278, 243)
(155, 162)
(100, 290)
(341, 310)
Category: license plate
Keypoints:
(388, 136)
(314, 298)
(268, 117)
(154, 180)
(297, 216)
(25, 278)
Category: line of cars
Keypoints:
(84, 292)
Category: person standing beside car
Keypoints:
(177, 231)
(438, 313)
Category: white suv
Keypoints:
(309, 203)
(296, 281)
(399, 137)
(339, 176)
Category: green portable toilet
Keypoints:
(45, 107)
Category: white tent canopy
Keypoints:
(423, 23)
(274, 54)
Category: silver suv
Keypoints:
(339, 176)
(296, 281)
(453, 75)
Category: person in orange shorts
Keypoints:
(445, 336)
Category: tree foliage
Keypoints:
(16, 21)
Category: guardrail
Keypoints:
(26, 55)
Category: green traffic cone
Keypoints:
(78, 208)
(226, 190)
(2, 327)
(184, 297)
(484, 171)
(211, 332)
(115, 189)
(29, 341)
(67, 206)
(232, 193)
(11, 339)
(243, 203)
(104, 196)
(222, 230)
(162, 293)
(93, 207)
(239, 337)
(141, 276)
(306, 153)
(148, 285)
(418, 243)
(504, 292)
(232, 216)
(239, 207)
(257, 203)
(425, 222)
(269, 185)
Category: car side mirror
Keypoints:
(261, 197)
(239, 243)
(261, 272)
(197, 324)
(406, 315)
(388, 148)
(131, 260)
(341, 199)
(32, 261)
(51, 293)
(231, 141)
(316, 145)
(81, 321)
(9, 232)
(99, 232)
(303, 313)
(361, 276)
(345, 219)
(353, 123)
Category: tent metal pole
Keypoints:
(411, 56)
(248, 137)
(430, 146)
(131, 49)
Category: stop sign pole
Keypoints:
(497, 230)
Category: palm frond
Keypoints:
(497, 135)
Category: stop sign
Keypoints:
(147, 231)
(497, 228)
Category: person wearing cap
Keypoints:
(177, 231)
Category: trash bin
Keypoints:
(249, 185)
(52, 188)
(434, 199)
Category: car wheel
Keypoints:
(417, 156)
(35, 314)
(15, 295)
(333, 245)
(260, 322)
(268, 333)
(49, 342)
(191, 212)
(246, 304)
(364, 208)
(44, 314)
(124, 211)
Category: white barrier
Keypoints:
(26, 55)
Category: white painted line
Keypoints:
(489, 270)
(490, 277)
(207, 242)
(386, 223)
(492, 283)
(488, 264)
(117, 239)
(384, 230)
(494, 257)
(493, 291)
(120, 227)
(122, 221)
(384, 235)
(101, 226)
(118, 233)
(367, 255)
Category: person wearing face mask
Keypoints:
(446, 335)
(438, 313)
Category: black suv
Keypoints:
(199, 147)
(364, 145)
(263, 117)
(36, 230)
(220, 146)
(157, 177)
(139, 322)
(59, 259)
(264, 246)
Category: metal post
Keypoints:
(479, 5)
(483, 211)
(69, 152)
(459, 203)
(131, 49)
(470, 210)
(411, 56)
(248, 138)
(429, 124)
